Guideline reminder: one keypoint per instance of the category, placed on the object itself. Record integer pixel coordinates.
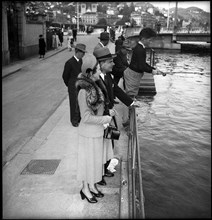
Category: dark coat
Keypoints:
(71, 70)
(118, 45)
(138, 60)
(113, 90)
(42, 46)
(120, 64)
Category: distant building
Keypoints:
(112, 19)
(89, 18)
(88, 7)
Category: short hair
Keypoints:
(147, 33)
(40, 35)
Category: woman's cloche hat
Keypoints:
(103, 54)
(88, 62)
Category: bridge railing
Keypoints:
(136, 197)
(185, 30)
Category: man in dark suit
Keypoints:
(121, 62)
(134, 73)
(104, 40)
(105, 59)
(71, 70)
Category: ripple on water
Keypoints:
(175, 140)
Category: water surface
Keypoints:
(175, 139)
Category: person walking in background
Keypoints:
(91, 129)
(42, 46)
(55, 40)
(60, 35)
(104, 40)
(105, 59)
(118, 44)
(71, 70)
(74, 31)
(70, 41)
(138, 65)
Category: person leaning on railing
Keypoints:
(138, 65)
(107, 83)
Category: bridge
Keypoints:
(190, 37)
(168, 40)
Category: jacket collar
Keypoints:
(141, 43)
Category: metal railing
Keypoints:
(136, 197)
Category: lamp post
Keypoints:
(77, 16)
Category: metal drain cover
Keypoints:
(47, 167)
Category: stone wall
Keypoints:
(31, 38)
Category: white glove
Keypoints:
(105, 125)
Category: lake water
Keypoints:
(174, 130)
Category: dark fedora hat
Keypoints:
(80, 47)
(104, 36)
(103, 54)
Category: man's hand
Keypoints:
(156, 71)
(135, 104)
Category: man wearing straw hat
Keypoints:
(134, 73)
(105, 59)
(71, 70)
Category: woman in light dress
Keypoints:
(91, 155)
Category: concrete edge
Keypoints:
(10, 73)
(124, 196)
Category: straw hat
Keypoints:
(81, 47)
(103, 54)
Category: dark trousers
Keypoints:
(74, 110)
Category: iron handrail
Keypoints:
(134, 169)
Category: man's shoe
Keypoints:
(102, 182)
(75, 124)
(108, 173)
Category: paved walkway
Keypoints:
(18, 65)
(45, 191)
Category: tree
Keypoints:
(102, 21)
(102, 9)
(132, 7)
(123, 20)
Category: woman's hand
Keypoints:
(112, 112)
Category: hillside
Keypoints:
(192, 13)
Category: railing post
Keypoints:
(133, 157)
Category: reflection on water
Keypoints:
(175, 139)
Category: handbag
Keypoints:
(112, 132)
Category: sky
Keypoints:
(204, 5)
